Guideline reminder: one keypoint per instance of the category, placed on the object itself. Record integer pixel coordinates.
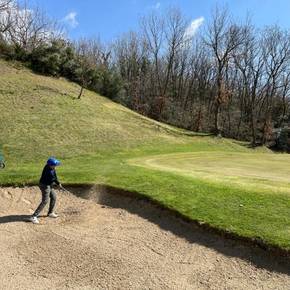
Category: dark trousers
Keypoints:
(47, 192)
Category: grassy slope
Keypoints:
(95, 138)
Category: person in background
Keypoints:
(47, 180)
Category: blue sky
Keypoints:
(110, 18)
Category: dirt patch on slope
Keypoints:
(113, 242)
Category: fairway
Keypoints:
(262, 171)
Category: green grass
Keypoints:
(250, 171)
(217, 181)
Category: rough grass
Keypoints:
(217, 181)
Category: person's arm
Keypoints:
(56, 181)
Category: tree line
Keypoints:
(229, 78)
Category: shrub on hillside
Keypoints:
(53, 59)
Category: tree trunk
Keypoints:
(253, 128)
(217, 129)
(198, 125)
(218, 103)
(81, 92)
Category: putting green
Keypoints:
(260, 171)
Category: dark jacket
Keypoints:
(48, 176)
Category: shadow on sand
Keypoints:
(14, 218)
(166, 220)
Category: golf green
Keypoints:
(254, 170)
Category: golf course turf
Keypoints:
(219, 182)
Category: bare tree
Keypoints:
(176, 27)
(93, 49)
(276, 53)
(31, 27)
(223, 37)
(5, 5)
(6, 10)
(284, 93)
(131, 56)
(250, 62)
(91, 55)
(153, 33)
(85, 60)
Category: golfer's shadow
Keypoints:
(17, 218)
(14, 218)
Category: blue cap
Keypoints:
(53, 161)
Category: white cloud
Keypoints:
(193, 27)
(157, 5)
(71, 20)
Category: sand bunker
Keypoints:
(116, 242)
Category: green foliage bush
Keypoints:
(58, 58)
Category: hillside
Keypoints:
(101, 142)
(41, 115)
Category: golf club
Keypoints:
(63, 189)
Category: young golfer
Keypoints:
(46, 182)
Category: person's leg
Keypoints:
(52, 195)
(45, 190)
